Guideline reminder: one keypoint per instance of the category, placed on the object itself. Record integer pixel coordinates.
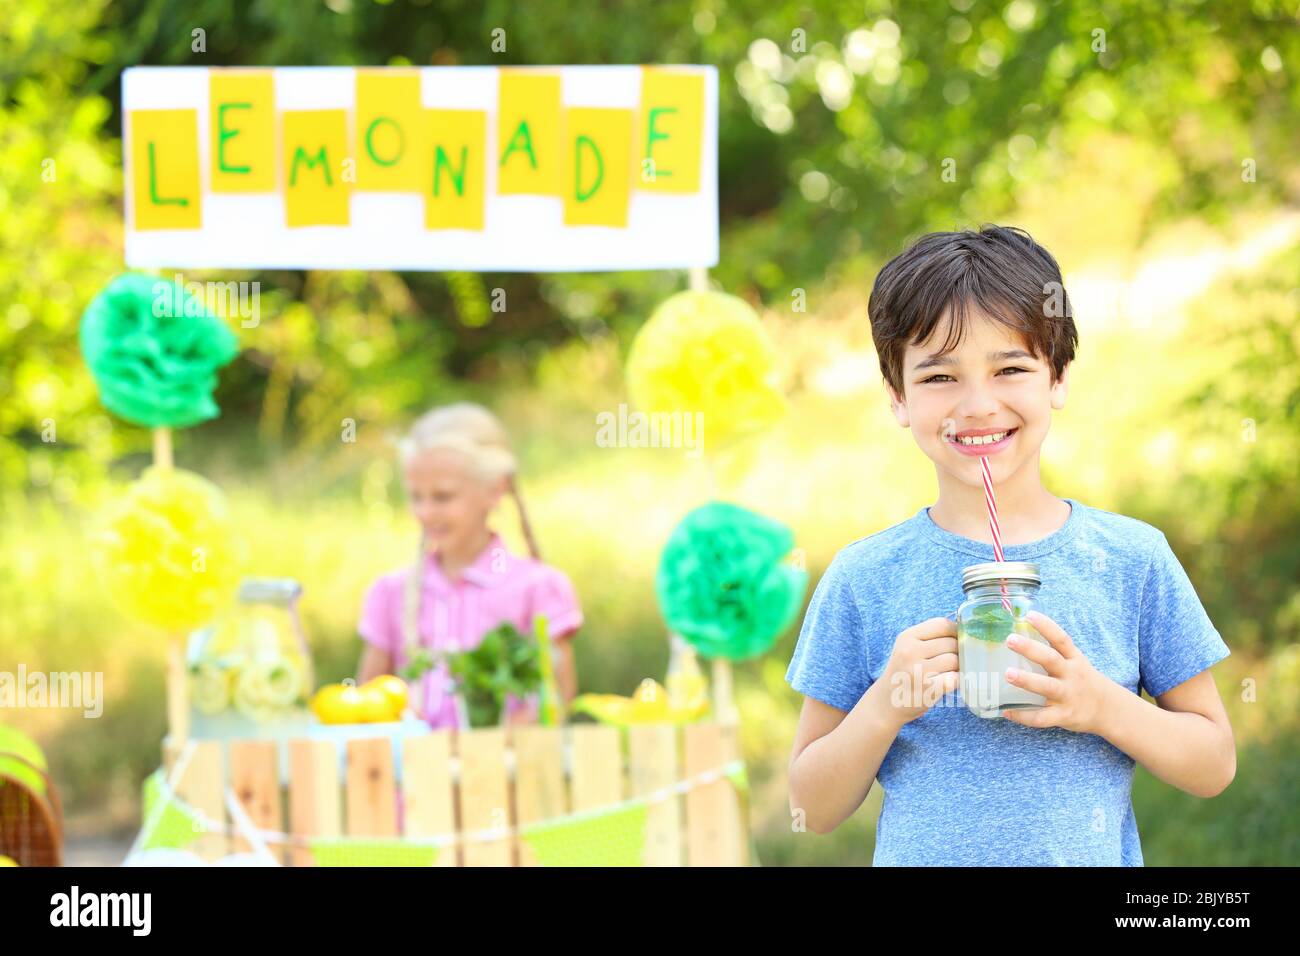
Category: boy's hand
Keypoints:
(922, 667)
(1076, 692)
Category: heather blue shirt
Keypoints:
(963, 790)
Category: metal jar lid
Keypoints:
(992, 572)
(282, 591)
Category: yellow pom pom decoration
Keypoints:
(167, 553)
(706, 352)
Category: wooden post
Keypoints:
(178, 693)
(176, 672)
(539, 780)
(724, 704)
(162, 448)
(597, 773)
(484, 794)
(315, 807)
(713, 823)
(201, 784)
(429, 797)
(254, 771)
(653, 766)
(371, 788)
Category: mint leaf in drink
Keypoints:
(991, 623)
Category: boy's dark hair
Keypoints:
(999, 269)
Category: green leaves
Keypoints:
(991, 623)
(421, 661)
(505, 662)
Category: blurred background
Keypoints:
(1151, 148)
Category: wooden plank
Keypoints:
(652, 766)
(315, 798)
(731, 750)
(713, 836)
(539, 780)
(170, 750)
(201, 784)
(428, 807)
(597, 766)
(177, 687)
(255, 779)
(484, 794)
(371, 788)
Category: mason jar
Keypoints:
(250, 666)
(999, 597)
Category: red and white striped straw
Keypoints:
(991, 504)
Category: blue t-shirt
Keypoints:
(964, 790)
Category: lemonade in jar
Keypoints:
(999, 597)
(252, 664)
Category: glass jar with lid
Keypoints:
(251, 665)
(999, 597)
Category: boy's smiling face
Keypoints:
(989, 382)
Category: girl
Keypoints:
(456, 464)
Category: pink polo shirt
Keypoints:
(454, 615)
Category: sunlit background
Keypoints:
(1152, 150)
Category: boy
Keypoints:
(974, 336)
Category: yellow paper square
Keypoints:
(241, 112)
(165, 191)
(314, 151)
(529, 160)
(457, 169)
(390, 148)
(670, 131)
(598, 166)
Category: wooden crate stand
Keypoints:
(447, 783)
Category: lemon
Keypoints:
(375, 705)
(210, 687)
(394, 691)
(337, 704)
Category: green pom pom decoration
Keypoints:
(721, 584)
(154, 351)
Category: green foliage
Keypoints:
(505, 662)
(836, 123)
(59, 184)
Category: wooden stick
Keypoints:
(177, 676)
(698, 281)
(162, 448)
(178, 693)
(724, 704)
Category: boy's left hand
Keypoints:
(1076, 692)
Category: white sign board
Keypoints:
(566, 168)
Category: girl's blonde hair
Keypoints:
(477, 433)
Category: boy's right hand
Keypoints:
(922, 668)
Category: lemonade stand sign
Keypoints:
(571, 168)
